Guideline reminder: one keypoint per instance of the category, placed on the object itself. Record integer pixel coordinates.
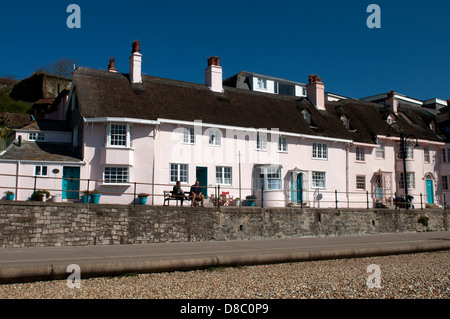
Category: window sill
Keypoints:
(119, 148)
(116, 184)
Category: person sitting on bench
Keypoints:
(178, 193)
(196, 194)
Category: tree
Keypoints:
(63, 67)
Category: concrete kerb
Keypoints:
(58, 270)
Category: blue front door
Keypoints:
(71, 183)
(296, 188)
(430, 191)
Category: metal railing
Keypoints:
(217, 195)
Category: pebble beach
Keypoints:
(415, 276)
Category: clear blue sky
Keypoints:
(287, 39)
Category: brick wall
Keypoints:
(33, 224)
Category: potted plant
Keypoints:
(95, 196)
(40, 196)
(85, 197)
(251, 199)
(143, 198)
(9, 195)
(237, 201)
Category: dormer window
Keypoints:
(345, 121)
(262, 84)
(433, 127)
(390, 120)
(38, 137)
(307, 116)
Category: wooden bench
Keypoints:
(168, 197)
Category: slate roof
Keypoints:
(106, 94)
(48, 152)
(47, 125)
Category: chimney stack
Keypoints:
(315, 91)
(135, 64)
(213, 74)
(392, 101)
(111, 66)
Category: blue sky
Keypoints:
(286, 39)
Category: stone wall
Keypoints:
(33, 224)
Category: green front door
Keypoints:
(71, 183)
(202, 177)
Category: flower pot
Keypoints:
(95, 198)
(9, 196)
(84, 199)
(142, 200)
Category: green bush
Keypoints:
(9, 105)
(37, 196)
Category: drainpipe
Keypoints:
(17, 179)
(347, 148)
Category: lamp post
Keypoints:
(403, 144)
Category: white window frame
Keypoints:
(345, 121)
(268, 176)
(39, 170)
(426, 155)
(380, 152)
(360, 154)
(390, 120)
(319, 180)
(120, 176)
(282, 144)
(306, 116)
(221, 175)
(179, 168)
(361, 180)
(36, 136)
(320, 151)
(214, 137)
(261, 83)
(410, 180)
(261, 141)
(113, 142)
(188, 135)
(409, 152)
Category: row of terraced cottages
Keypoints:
(284, 142)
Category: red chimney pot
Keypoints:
(135, 47)
(214, 60)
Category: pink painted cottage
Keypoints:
(287, 143)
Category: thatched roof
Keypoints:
(106, 94)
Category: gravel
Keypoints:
(415, 276)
